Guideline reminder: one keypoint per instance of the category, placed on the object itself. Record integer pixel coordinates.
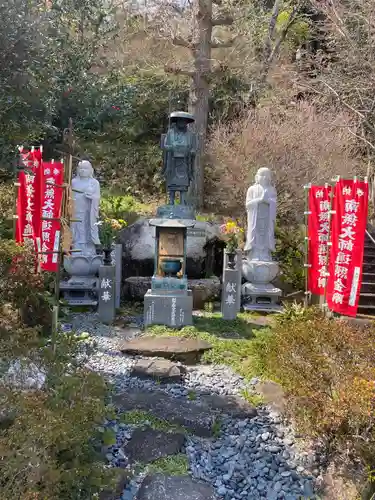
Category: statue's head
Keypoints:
(85, 169)
(181, 124)
(181, 119)
(263, 177)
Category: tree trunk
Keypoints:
(200, 89)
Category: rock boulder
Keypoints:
(204, 249)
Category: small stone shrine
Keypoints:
(169, 302)
(258, 267)
(179, 149)
(83, 265)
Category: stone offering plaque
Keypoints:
(171, 243)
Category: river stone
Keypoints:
(203, 290)
(204, 249)
(187, 350)
(160, 369)
(149, 445)
(195, 416)
(161, 487)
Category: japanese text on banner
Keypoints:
(28, 199)
(319, 203)
(53, 174)
(347, 236)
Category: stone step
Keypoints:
(197, 416)
(367, 299)
(365, 309)
(149, 445)
(187, 350)
(162, 487)
(369, 267)
(367, 287)
(158, 369)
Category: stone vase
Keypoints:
(231, 260)
(107, 261)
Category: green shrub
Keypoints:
(6, 210)
(49, 438)
(53, 444)
(290, 255)
(26, 292)
(327, 368)
(125, 208)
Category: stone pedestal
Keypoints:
(258, 294)
(80, 294)
(176, 212)
(81, 289)
(117, 262)
(171, 309)
(107, 294)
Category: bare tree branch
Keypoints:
(175, 70)
(362, 138)
(221, 44)
(181, 42)
(222, 21)
(347, 105)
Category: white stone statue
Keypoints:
(85, 233)
(261, 216)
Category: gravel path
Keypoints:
(257, 458)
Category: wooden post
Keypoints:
(67, 161)
(323, 301)
(306, 264)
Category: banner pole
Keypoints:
(307, 299)
(325, 305)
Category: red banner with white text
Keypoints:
(349, 219)
(318, 225)
(52, 194)
(28, 200)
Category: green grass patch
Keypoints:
(233, 342)
(216, 428)
(139, 417)
(174, 465)
(252, 398)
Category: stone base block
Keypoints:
(204, 290)
(176, 212)
(170, 310)
(263, 297)
(80, 295)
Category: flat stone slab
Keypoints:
(178, 348)
(149, 445)
(233, 405)
(161, 487)
(197, 416)
(159, 369)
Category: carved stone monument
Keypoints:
(83, 265)
(258, 267)
(169, 301)
(179, 146)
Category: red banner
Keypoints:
(28, 200)
(53, 173)
(318, 234)
(348, 228)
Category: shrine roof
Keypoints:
(172, 223)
